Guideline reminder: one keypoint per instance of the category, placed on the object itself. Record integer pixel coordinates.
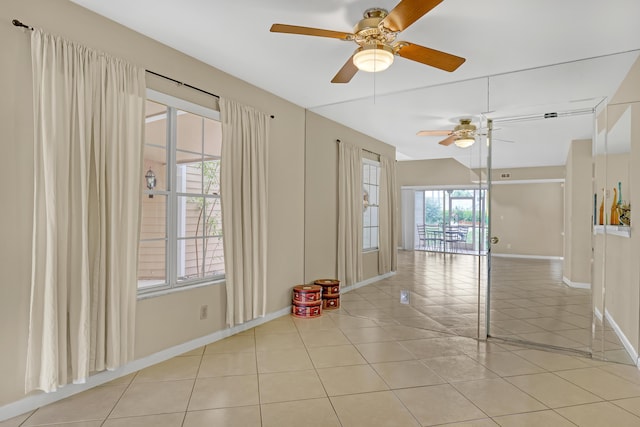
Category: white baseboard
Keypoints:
(35, 401)
(622, 337)
(558, 258)
(597, 313)
(578, 285)
(367, 282)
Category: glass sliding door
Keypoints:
(450, 220)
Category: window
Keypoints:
(181, 227)
(371, 187)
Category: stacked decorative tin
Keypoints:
(330, 293)
(307, 301)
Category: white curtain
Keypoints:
(387, 246)
(350, 203)
(88, 137)
(243, 175)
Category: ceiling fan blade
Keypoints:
(307, 31)
(346, 73)
(434, 133)
(407, 12)
(448, 141)
(435, 58)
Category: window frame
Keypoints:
(172, 282)
(365, 183)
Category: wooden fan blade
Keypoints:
(407, 12)
(448, 141)
(434, 133)
(435, 58)
(346, 73)
(307, 31)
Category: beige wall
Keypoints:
(541, 173)
(321, 195)
(578, 213)
(166, 321)
(528, 218)
(616, 264)
(433, 172)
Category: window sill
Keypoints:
(167, 291)
(366, 251)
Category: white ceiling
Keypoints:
(511, 50)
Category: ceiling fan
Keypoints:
(463, 135)
(375, 36)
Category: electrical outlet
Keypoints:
(404, 296)
(204, 311)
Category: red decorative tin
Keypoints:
(306, 310)
(307, 293)
(330, 302)
(329, 286)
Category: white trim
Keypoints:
(163, 98)
(597, 313)
(366, 282)
(622, 337)
(469, 186)
(558, 258)
(528, 181)
(35, 401)
(578, 285)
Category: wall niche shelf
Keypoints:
(613, 230)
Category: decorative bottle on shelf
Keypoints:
(601, 219)
(619, 193)
(614, 208)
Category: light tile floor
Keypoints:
(373, 362)
(530, 302)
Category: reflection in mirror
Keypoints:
(540, 292)
(617, 316)
(520, 152)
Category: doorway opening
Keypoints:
(450, 220)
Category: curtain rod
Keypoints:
(17, 23)
(363, 149)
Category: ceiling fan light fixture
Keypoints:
(373, 58)
(464, 142)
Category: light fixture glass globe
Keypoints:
(464, 142)
(373, 58)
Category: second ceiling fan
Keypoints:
(463, 135)
(376, 37)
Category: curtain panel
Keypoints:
(243, 181)
(350, 199)
(88, 139)
(387, 247)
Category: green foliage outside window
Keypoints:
(211, 226)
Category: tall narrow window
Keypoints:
(181, 229)
(371, 191)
